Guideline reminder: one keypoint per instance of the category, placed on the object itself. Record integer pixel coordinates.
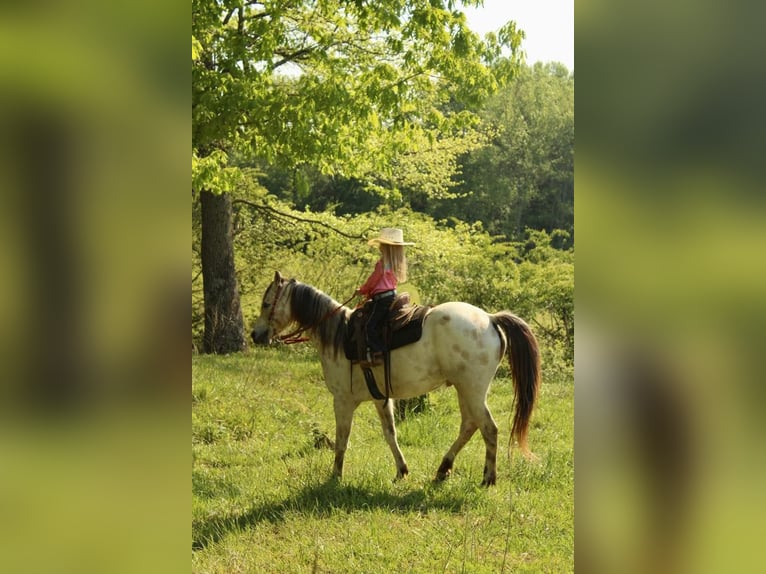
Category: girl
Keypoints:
(380, 287)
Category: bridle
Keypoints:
(276, 300)
(292, 337)
(295, 336)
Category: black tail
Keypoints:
(524, 357)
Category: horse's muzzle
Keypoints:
(260, 337)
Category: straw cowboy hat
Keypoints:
(390, 236)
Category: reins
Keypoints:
(295, 336)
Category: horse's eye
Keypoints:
(266, 305)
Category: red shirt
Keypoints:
(381, 279)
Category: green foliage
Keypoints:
(525, 177)
(213, 173)
(344, 86)
(513, 171)
(547, 297)
(196, 49)
(263, 500)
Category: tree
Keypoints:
(525, 177)
(344, 86)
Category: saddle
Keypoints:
(403, 325)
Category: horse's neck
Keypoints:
(328, 317)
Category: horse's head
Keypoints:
(275, 310)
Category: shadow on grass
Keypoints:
(322, 500)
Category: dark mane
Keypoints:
(314, 310)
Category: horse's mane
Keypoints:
(315, 310)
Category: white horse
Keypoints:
(461, 346)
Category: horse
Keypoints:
(461, 346)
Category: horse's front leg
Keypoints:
(386, 414)
(344, 413)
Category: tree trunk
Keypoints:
(224, 327)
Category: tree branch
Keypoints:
(293, 56)
(269, 209)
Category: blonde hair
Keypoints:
(394, 258)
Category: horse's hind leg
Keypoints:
(489, 432)
(344, 414)
(386, 414)
(467, 428)
(475, 415)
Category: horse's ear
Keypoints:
(277, 277)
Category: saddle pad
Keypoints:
(403, 334)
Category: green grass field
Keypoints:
(264, 500)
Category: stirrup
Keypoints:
(374, 358)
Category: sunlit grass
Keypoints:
(264, 499)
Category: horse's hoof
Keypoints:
(491, 481)
(444, 470)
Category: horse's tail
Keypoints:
(524, 357)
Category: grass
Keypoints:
(264, 500)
